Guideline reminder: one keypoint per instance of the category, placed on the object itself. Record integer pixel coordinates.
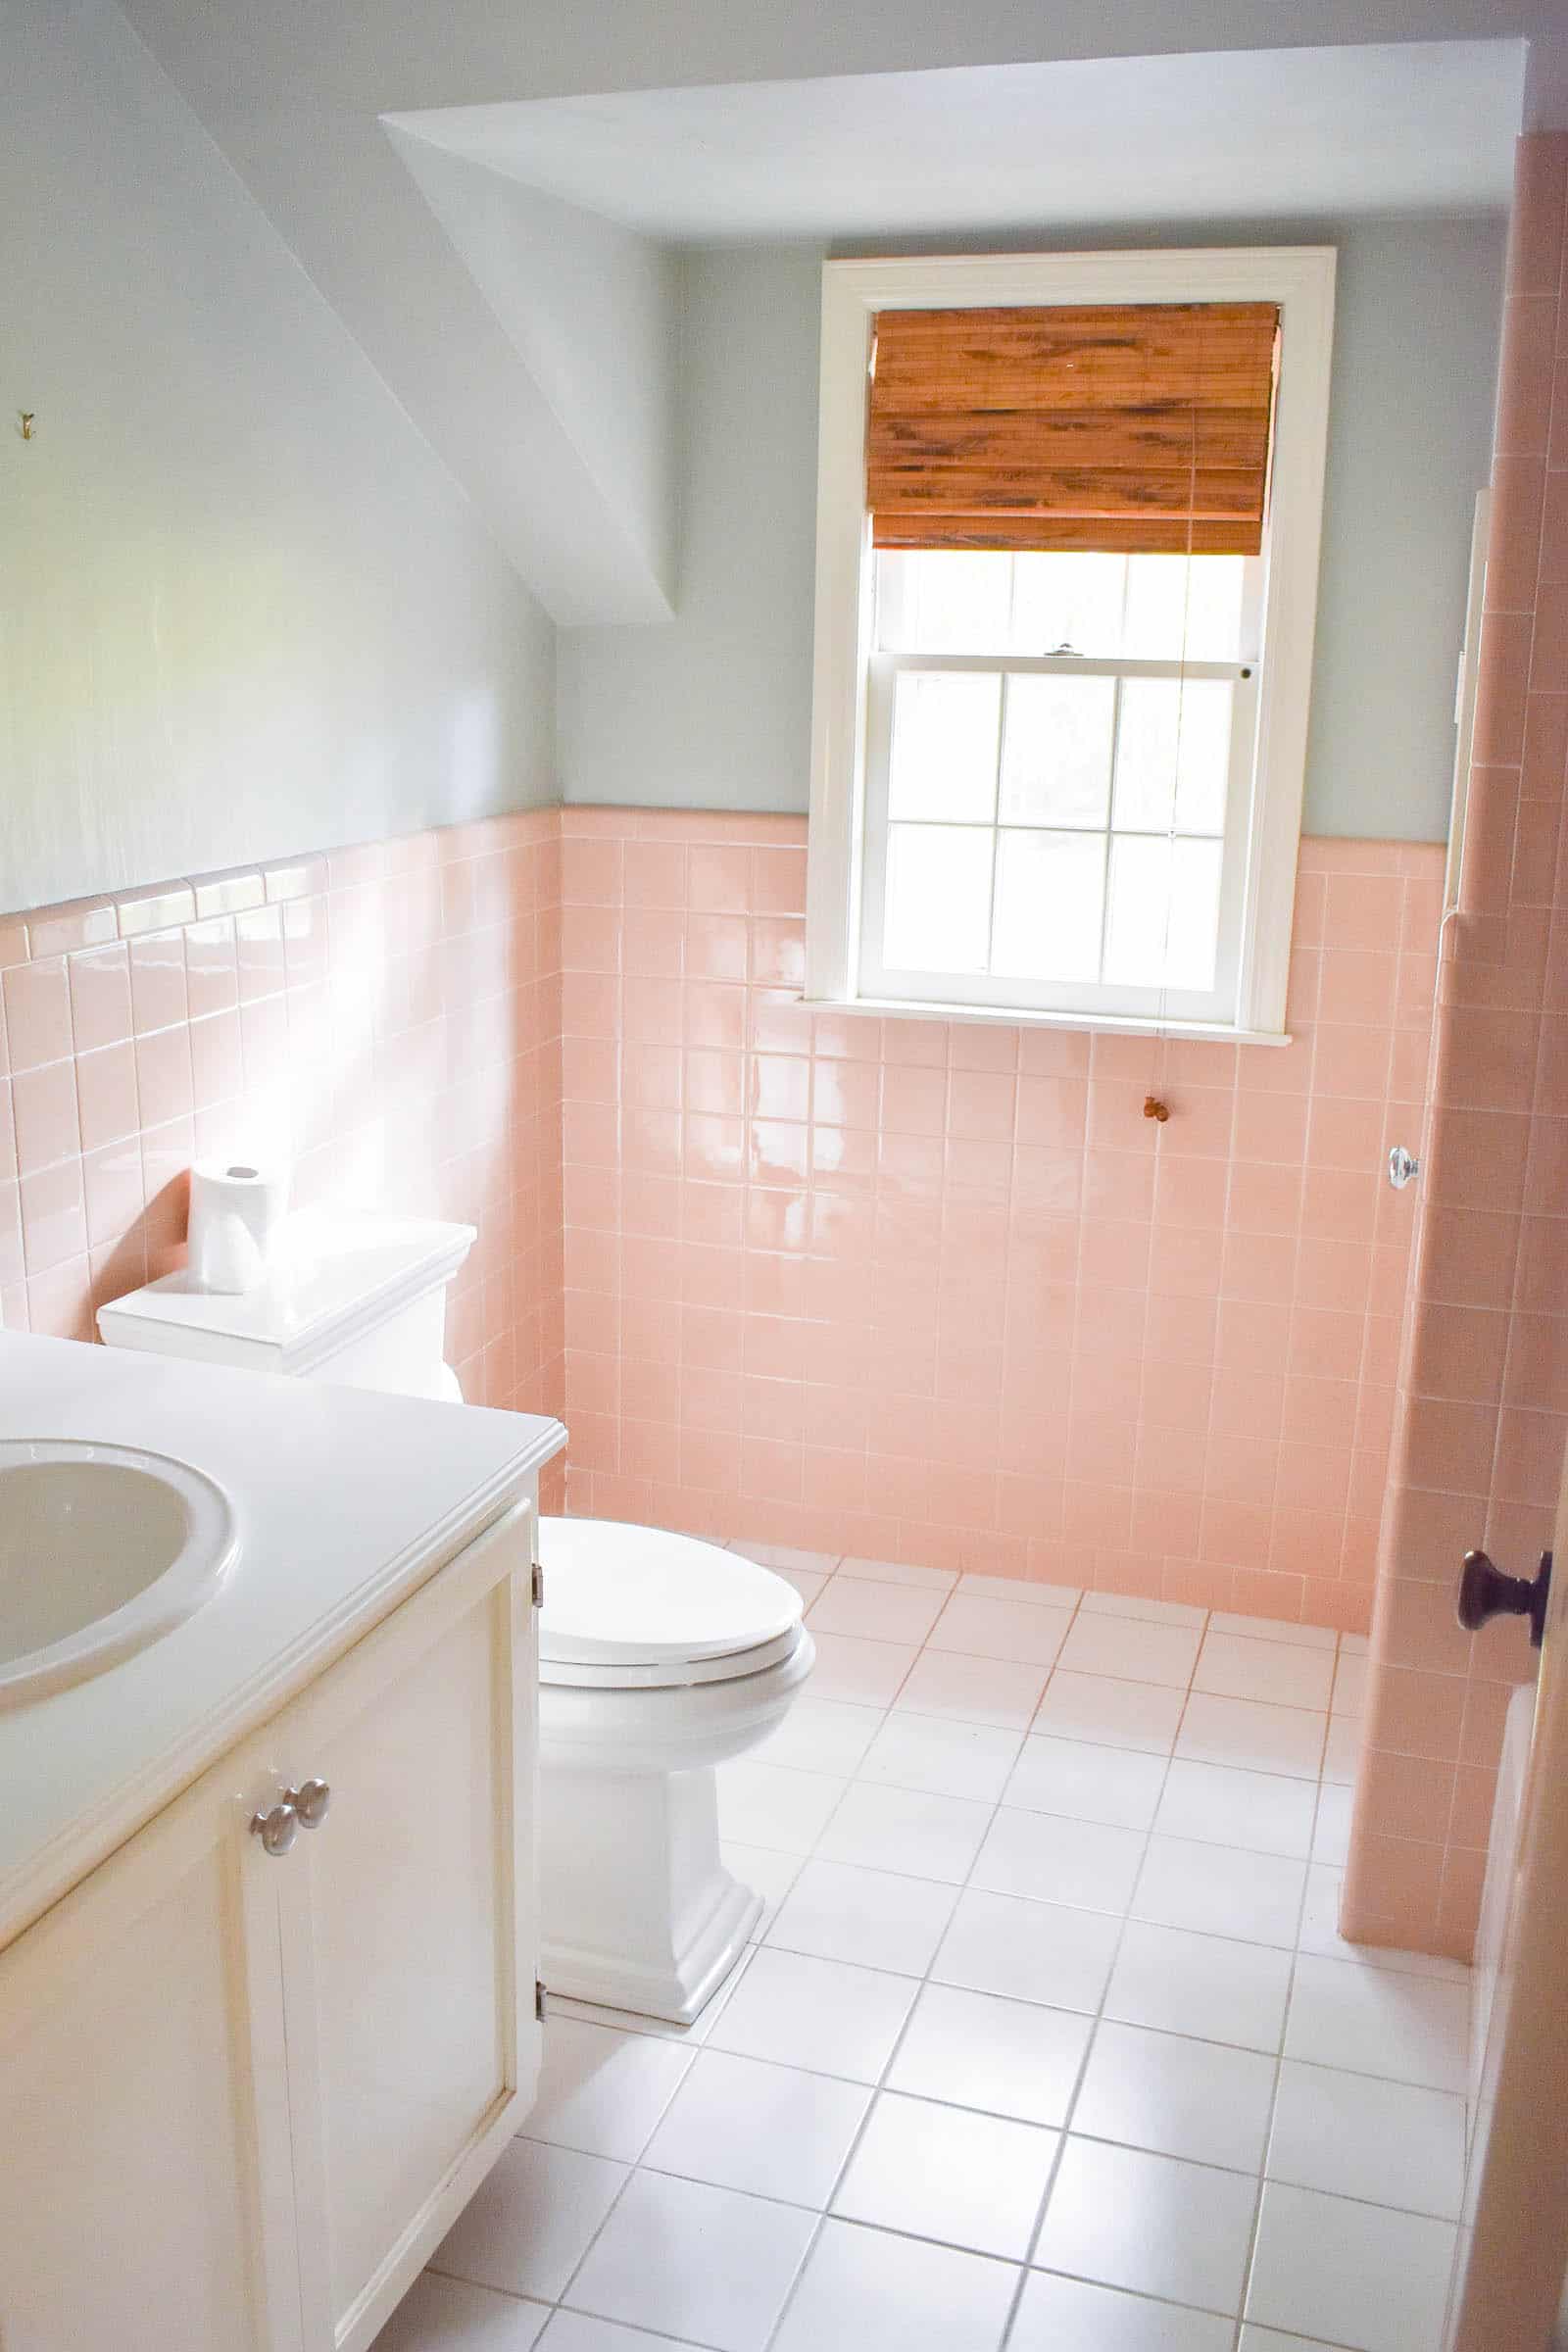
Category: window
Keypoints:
(1066, 575)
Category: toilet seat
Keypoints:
(639, 1608)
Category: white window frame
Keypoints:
(1299, 278)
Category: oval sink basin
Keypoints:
(102, 1549)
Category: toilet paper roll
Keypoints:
(237, 1209)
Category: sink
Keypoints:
(102, 1549)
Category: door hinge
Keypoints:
(538, 1585)
(539, 1999)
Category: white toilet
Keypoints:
(660, 1655)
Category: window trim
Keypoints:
(1301, 279)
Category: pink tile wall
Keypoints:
(1483, 1408)
(390, 1013)
(938, 1292)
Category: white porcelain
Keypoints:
(660, 1657)
(359, 1301)
(102, 1549)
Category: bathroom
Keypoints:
(436, 655)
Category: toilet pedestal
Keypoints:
(639, 1911)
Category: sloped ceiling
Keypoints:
(488, 316)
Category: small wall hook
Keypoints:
(24, 418)
(1154, 1108)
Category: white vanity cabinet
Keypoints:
(243, 2092)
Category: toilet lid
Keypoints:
(617, 1594)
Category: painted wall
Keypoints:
(1482, 1406)
(938, 1292)
(388, 1015)
(715, 712)
(244, 611)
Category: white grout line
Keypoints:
(919, 1982)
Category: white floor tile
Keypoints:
(841, 1911)
(1269, 2340)
(994, 1690)
(1354, 1646)
(1000, 1629)
(576, 2331)
(1149, 2224)
(1218, 1890)
(906, 1830)
(1279, 1673)
(1202, 1985)
(1110, 1713)
(821, 2014)
(686, 2260)
(1350, 1685)
(1069, 2315)
(1117, 1785)
(772, 1805)
(1354, 2275)
(1264, 1811)
(874, 1612)
(1331, 1837)
(784, 1558)
(772, 2130)
(1256, 1737)
(1341, 1750)
(1268, 1629)
(821, 1735)
(1320, 1934)
(1371, 2021)
(971, 2180)
(1177, 2096)
(1153, 1612)
(947, 1758)
(1029, 1951)
(866, 1673)
(1054, 1860)
(1020, 1588)
(1391, 2143)
(447, 2314)
(602, 2091)
(863, 2289)
(1132, 1649)
(976, 2050)
(766, 1872)
(529, 2225)
(895, 1572)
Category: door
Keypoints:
(1513, 2246)
(408, 1929)
(144, 2195)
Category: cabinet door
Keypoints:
(144, 2190)
(408, 1928)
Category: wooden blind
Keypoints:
(1136, 427)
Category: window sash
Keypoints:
(999, 992)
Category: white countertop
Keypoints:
(345, 1501)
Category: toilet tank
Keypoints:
(357, 1300)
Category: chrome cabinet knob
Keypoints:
(309, 1801)
(278, 1829)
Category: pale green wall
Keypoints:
(715, 711)
(244, 610)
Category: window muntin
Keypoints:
(1058, 775)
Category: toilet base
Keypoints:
(638, 1910)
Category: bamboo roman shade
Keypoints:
(1139, 428)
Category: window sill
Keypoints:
(1012, 1017)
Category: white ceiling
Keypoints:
(1419, 126)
